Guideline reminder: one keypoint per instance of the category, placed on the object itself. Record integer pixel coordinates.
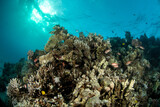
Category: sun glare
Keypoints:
(46, 7)
(36, 16)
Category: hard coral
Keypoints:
(136, 43)
(13, 87)
(60, 34)
(79, 72)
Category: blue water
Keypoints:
(25, 24)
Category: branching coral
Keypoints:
(13, 87)
(83, 71)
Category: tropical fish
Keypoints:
(107, 51)
(118, 53)
(35, 60)
(25, 86)
(63, 64)
(115, 65)
(43, 92)
(128, 63)
(77, 30)
(141, 47)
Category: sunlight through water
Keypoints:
(46, 7)
(44, 12)
(36, 16)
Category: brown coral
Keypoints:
(77, 72)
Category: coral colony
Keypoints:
(85, 71)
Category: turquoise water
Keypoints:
(25, 24)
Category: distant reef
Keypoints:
(86, 71)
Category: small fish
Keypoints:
(35, 60)
(77, 30)
(123, 44)
(25, 86)
(43, 92)
(118, 53)
(115, 65)
(76, 65)
(128, 63)
(141, 47)
(63, 64)
(136, 101)
(107, 51)
(86, 32)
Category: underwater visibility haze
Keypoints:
(89, 53)
(25, 23)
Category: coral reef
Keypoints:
(11, 71)
(13, 87)
(86, 71)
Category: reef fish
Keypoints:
(107, 51)
(123, 44)
(118, 53)
(115, 65)
(141, 47)
(128, 63)
(43, 92)
(35, 60)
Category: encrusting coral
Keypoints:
(82, 71)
